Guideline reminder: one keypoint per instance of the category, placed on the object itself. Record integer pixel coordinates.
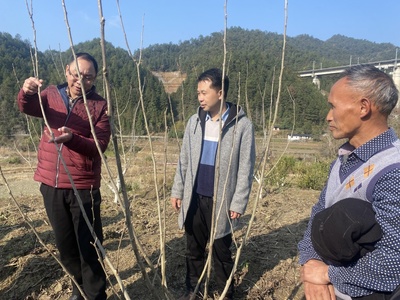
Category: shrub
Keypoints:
(280, 174)
(15, 160)
(290, 171)
(313, 175)
(180, 130)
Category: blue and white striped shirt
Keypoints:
(205, 175)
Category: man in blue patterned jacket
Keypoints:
(367, 168)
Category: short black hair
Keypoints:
(85, 56)
(215, 76)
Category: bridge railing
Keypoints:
(384, 64)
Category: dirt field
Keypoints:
(267, 269)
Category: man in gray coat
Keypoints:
(218, 135)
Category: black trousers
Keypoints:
(73, 237)
(197, 228)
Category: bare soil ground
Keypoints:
(268, 267)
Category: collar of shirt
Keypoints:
(224, 115)
(366, 151)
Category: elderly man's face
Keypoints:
(344, 116)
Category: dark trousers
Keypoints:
(73, 237)
(197, 228)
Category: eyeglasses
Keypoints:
(87, 78)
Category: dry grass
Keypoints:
(268, 266)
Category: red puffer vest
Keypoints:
(80, 154)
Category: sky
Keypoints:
(174, 21)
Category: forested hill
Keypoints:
(253, 60)
(339, 50)
(302, 50)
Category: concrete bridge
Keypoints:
(391, 67)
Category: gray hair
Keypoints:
(375, 84)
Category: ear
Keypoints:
(220, 94)
(366, 107)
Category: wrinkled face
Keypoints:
(344, 116)
(209, 98)
(88, 73)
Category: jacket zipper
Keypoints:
(61, 146)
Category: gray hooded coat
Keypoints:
(237, 148)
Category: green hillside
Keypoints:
(253, 60)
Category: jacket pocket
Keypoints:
(80, 162)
